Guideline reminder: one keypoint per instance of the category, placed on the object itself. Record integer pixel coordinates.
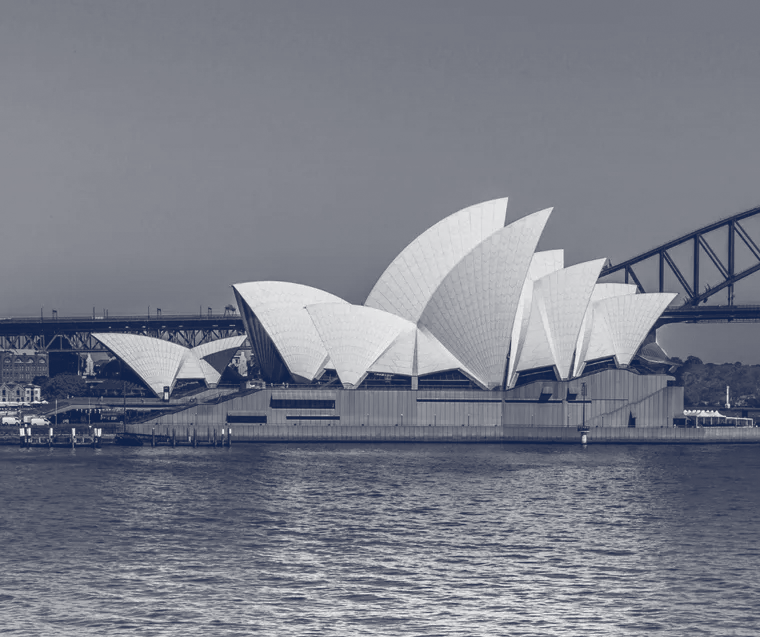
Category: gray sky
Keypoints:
(153, 153)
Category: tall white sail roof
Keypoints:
(412, 278)
(280, 307)
(541, 264)
(563, 297)
(601, 291)
(472, 311)
(560, 300)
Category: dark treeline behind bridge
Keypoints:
(705, 383)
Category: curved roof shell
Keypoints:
(433, 357)
(356, 336)
(601, 291)
(629, 318)
(280, 307)
(214, 356)
(408, 283)
(541, 264)
(399, 357)
(154, 360)
(559, 303)
(160, 363)
(472, 311)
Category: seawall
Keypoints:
(472, 434)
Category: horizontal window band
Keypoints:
(312, 417)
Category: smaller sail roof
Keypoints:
(160, 363)
(628, 319)
(356, 336)
(154, 360)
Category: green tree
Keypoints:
(63, 386)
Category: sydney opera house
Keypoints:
(468, 321)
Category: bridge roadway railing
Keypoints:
(710, 314)
(74, 333)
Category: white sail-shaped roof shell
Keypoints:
(432, 357)
(541, 264)
(472, 311)
(560, 300)
(398, 358)
(160, 363)
(356, 336)
(154, 360)
(361, 340)
(214, 356)
(418, 353)
(190, 367)
(281, 309)
(409, 282)
(534, 350)
(629, 318)
(601, 291)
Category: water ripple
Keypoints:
(414, 539)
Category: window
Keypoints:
(296, 403)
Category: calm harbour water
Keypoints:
(381, 539)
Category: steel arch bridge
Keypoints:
(693, 288)
(75, 334)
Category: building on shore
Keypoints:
(17, 393)
(467, 325)
(23, 365)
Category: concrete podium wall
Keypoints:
(472, 434)
(613, 396)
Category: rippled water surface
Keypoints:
(381, 539)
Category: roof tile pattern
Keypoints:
(432, 357)
(472, 311)
(355, 336)
(160, 363)
(399, 357)
(280, 307)
(629, 318)
(601, 291)
(412, 278)
(541, 264)
(561, 299)
(154, 360)
(214, 356)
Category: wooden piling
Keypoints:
(195, 437)
(214, 436)
(174, 437)
(153, 438)
(229, 437)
